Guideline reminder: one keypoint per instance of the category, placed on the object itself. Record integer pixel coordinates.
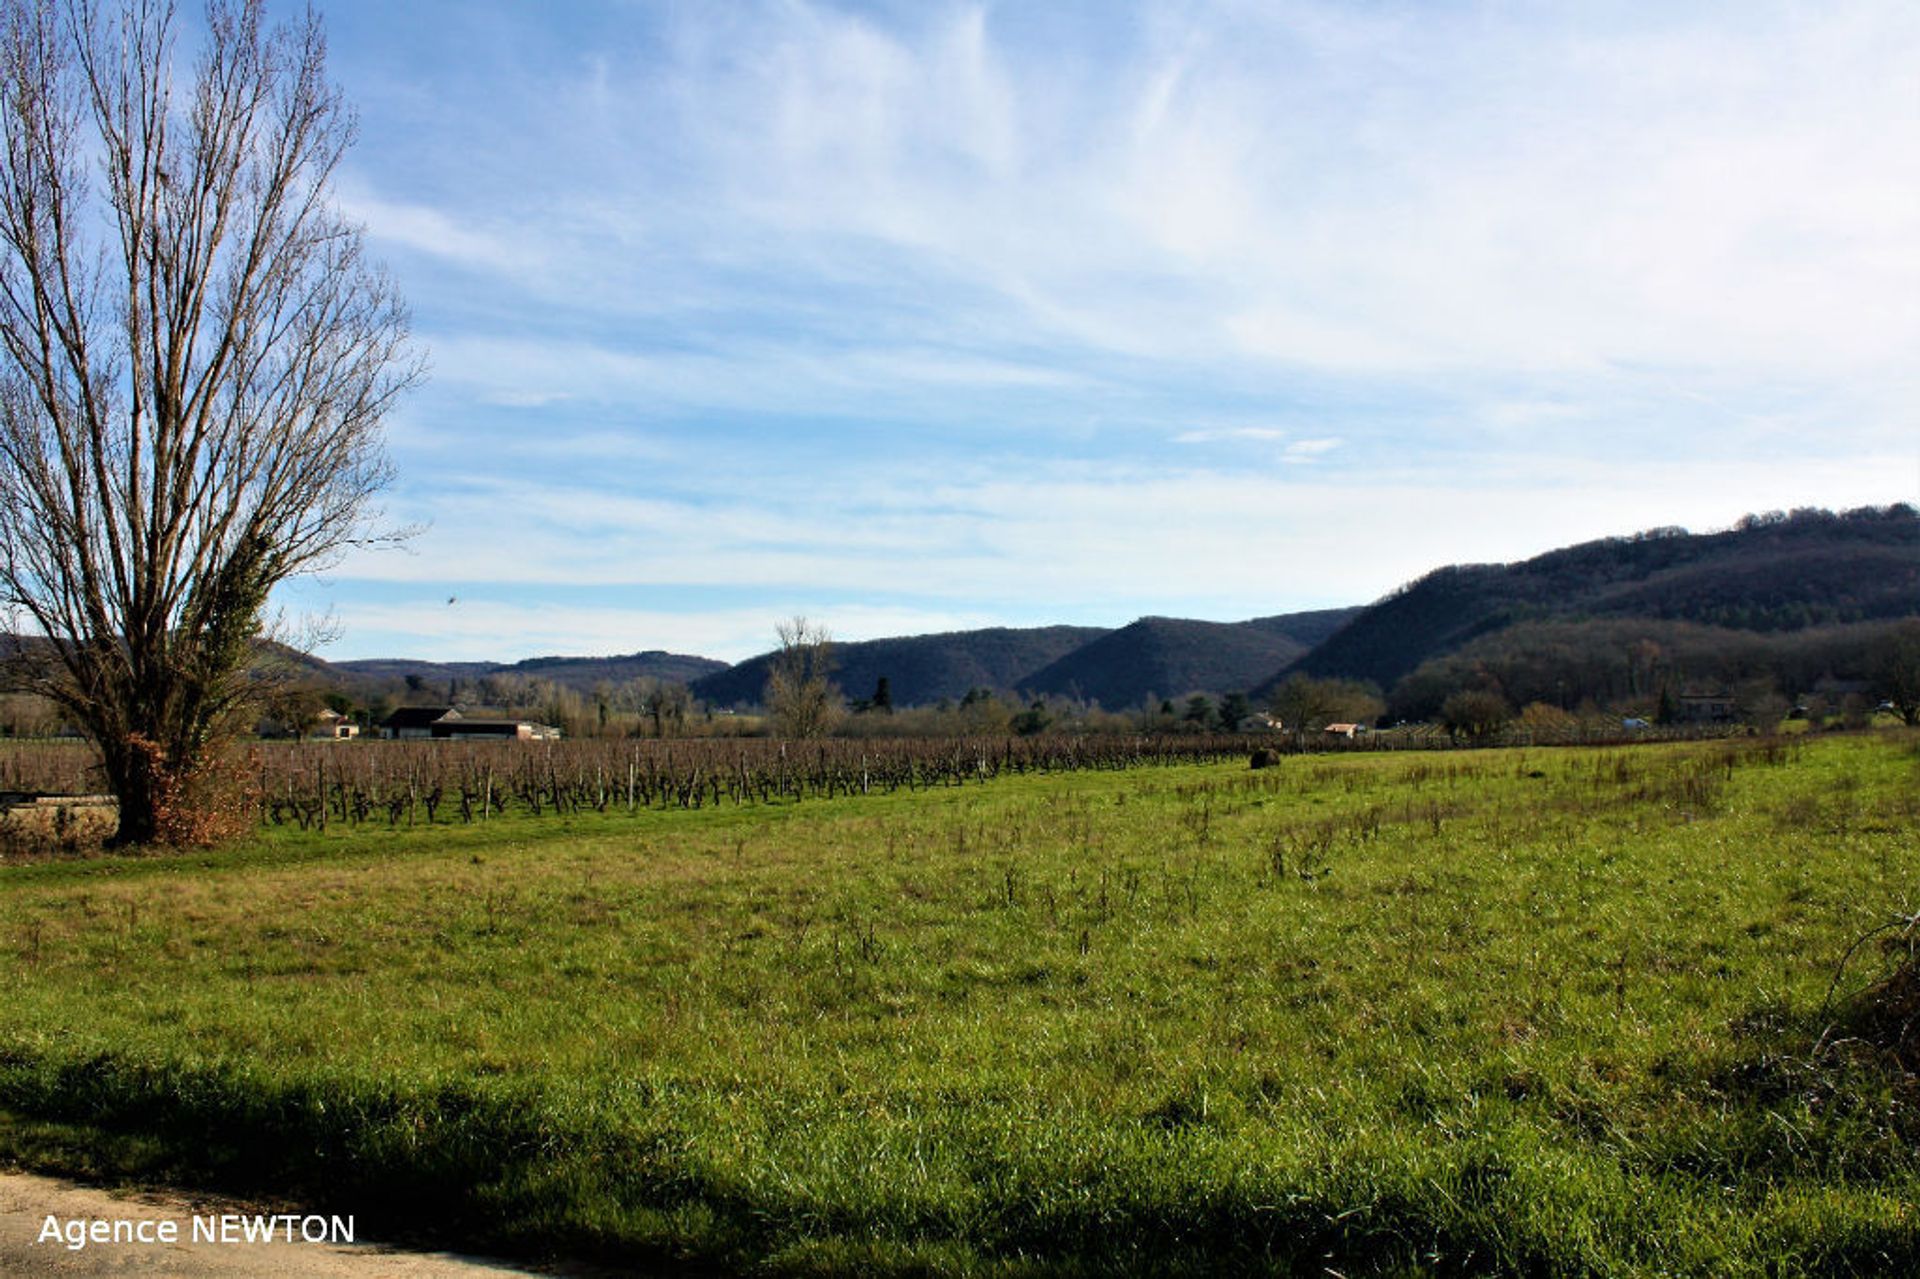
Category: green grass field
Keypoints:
(1548, 1011)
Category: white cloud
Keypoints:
(494, 629)
(1512, 277)
(1214, 435)
(517, 399)
(1443, 192)
(437, 233)
(1063, 545)
(1301, 451)
(748, 374)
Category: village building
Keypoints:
(330, 725)
(446, 723)
(415, 722)
(460, 729)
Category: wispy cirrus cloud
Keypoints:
(957, 295)
(1219, 434)
(1052, 545)
(472, 628)
(1302, 451)
(438, 233)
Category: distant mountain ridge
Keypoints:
(919, 669)
(1165, 657)
(580, 673)
(1311, 628)
(1768, 573)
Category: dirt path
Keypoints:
(26, 1201)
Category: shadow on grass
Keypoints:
(1807, 1095)
(472, 1169)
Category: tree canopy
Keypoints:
(196, 359)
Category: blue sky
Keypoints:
(921, 316)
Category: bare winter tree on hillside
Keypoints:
(801, 697)
(1305, 705)
(195, 361)
(1896, 670)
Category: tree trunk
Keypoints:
(130, 771)
(155, 786)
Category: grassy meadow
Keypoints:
(1542, 1011)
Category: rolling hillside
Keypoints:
(920, 669)
(1310, 629)
(1166, 657)
(1775, 574)
(1768, 574)
(1159, 655)
(392, 675)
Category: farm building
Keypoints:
(446, 723)
(415, 721)
(457, 729)
(1345, 730)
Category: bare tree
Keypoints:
(1896, 670)
(1305, 705)
(800, 696)
(195, 362)
(1475, 714)
(663, 702)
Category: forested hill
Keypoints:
(452, 680)
(1311, 628)
(919, 669)
(1769, 573)
(1167, 657)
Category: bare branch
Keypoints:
(195, 359)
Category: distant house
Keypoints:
(415, 721)
(1345, 730)
(330, 725)
(293, 723)
(1707, 706)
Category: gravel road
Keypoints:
(26, 1201)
